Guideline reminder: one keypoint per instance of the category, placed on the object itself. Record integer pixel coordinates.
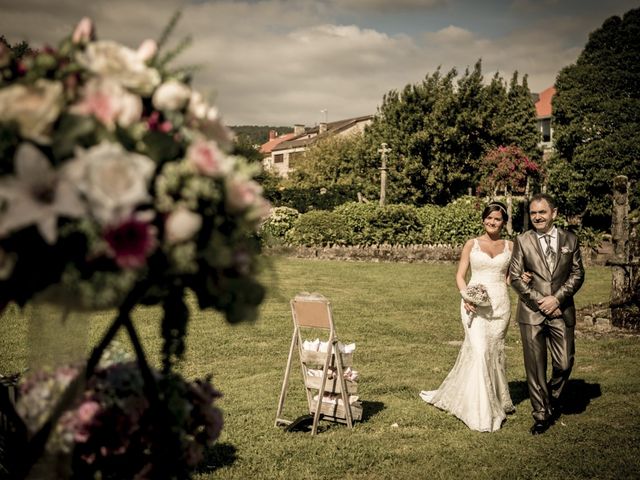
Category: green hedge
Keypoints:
(370, 224)
(367, 224)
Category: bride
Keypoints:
(476, 389)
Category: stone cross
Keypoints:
(383, 172)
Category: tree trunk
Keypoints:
(625, 294)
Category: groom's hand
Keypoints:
(548, 304)
(557, 313)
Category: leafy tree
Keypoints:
(244, 147)
(336, 160)
(597, 120)
(519, 118)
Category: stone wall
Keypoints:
(374, 253)
(395, 253)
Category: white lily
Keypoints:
(37, 195)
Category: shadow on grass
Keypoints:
(371, 409)
(577, 396)
(519, 391)
(218, 456)
(575, 399)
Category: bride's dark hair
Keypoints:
(496, 207)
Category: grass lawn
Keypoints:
(404, 320)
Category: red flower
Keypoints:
(131, 242)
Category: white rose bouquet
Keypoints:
(476, 294)
(119, 186)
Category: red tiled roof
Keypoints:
(271, 144)
(543, 105)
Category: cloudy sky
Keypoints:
(283, 62)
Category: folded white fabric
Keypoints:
(318, 346)
(349, 373)
(335, 399)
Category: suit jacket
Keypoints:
(565, 280)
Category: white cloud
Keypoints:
(280, 62)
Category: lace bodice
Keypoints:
(486, 269)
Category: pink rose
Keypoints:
(147, 50)
(109, 102)
(242, 194)
(83, 32)
(208, 158)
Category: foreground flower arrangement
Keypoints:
(111, 428)
(119, 187)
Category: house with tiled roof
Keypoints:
(274, 140)
(544, 115)
(282, 156)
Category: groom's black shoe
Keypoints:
(540, 427)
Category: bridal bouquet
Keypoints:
(118, 187)
(476, 294)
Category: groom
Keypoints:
(546, 312)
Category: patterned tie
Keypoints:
(549, 254)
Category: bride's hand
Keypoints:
(526, 277)
(469, 307)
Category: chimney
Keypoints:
(298, 129)
(322, 128)
(272, 134)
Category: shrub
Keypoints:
(318, 227)
(452, 224)
(280, 221)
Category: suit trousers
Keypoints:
(553, 335)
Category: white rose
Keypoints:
(34, 107)
(120, 63)
(181, 225)
(209, 121)
(113, 180)
(171, 95)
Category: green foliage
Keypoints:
(257, 135)
(439, 129)
(317, 228)
(245, 148)
(453, 224)
(334, 161)
(280, 221)
(372, 224)
(397, 224)
(306, 198)
(597, 119)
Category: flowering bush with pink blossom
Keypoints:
(119, 187)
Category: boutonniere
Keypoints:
(565, 250)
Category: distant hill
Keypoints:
(257, 135)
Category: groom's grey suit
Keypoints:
(538, 330)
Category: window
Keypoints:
(545, 130)
(278, 158)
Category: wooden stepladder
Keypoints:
(322, 372)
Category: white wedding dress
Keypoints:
(476, 389)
